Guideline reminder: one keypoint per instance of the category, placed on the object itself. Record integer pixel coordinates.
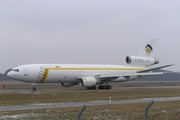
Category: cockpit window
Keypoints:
(16, 70)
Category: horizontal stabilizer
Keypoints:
(156, 68)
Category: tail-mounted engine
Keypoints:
(142, 61)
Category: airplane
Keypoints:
(89, 75)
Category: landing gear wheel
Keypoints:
(34, 89)
(94, 87)
(100, 87)
(108, 87)
(91, 88)
(104, 87)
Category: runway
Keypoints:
(91, 103)
(60, 89)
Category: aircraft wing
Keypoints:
(146, 72)
(105, 77)
(126, 75)
(139, 73)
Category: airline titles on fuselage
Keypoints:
(141, 60)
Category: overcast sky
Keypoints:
(87, 31)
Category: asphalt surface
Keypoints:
(92, 103)
(60, 89)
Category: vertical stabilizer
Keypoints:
(147, 51)
(144, 57)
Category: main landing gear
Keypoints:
(91, 88)
(104, 87)
(101, 87)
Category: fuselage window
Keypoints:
(16, 70)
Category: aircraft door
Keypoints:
(25, 72)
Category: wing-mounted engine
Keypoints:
(141, 61)
(88, 82)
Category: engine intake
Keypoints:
(88, 82)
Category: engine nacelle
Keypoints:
(142, 61)
(68, 84)
(88, 82)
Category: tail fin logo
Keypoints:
(148, 49)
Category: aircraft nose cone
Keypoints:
(9, 74)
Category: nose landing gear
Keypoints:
(34, 88)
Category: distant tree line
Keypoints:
(167, 76)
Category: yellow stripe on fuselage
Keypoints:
(46, 70)
(96, 69)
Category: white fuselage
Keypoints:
(68, 73)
